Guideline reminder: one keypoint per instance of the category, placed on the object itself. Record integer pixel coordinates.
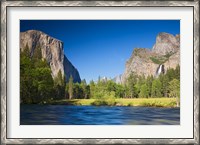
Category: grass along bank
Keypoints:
(148, 102)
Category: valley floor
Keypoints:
(147, 102)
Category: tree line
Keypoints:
(38, 86)
(136, 86)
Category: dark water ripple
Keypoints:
(97, 115)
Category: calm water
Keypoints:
(97, 115)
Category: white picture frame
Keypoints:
(6, 81)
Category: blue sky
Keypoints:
(101, 47)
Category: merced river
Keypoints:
(97, 115)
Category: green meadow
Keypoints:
(148, 102)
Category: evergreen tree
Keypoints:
(59, 79)
(126, 91)
(59, 86)
(92, 89)
(70, 91)
(36, 83)
(132, 80)
(84, 87)
(165, 84)
(156, 88)
(43, 84)
(144, 92)
(174, 90)
(77, 91)
(120, 91)
(67, 91)
(149, 81)
(110, 86)
(137, 89)
(170, 74)
(177, 72)
(26, 79)
(87, 92)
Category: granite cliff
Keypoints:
(52, 51)
(165, 54)
(118, 79)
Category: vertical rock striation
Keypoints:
(52, 51)
(165, 52)
(166, 43)
(118, 79)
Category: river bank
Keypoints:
(145, 102)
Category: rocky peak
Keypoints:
(166, 43)
(52, 51)
(165, 54)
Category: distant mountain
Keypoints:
(103, 79)
(52, 51)
(165, 54)
(118, 79)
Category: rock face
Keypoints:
(69, 69)
(52, 51)
(165, 52)
(118, 79)
(166, 43)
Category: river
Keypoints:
(97, 115)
